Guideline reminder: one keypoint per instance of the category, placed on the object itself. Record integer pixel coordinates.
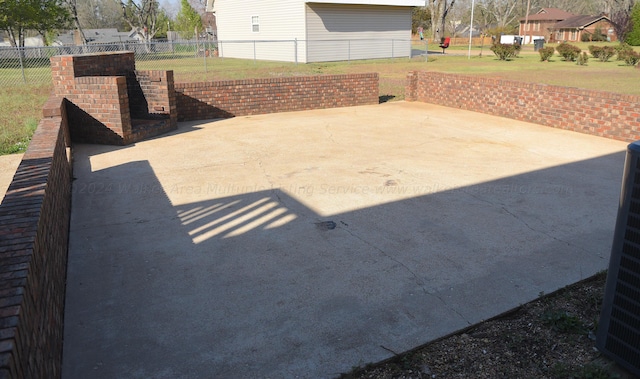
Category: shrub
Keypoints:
(607, 53)
(631, 58)
(603, 53)
(595, 51)
(582, 59)
(621, 50)
(505, 51)
(598, 35)
(546, 53)
(568, 52)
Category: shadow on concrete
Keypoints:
(257, 284)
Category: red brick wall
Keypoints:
(100, 110)
(158, 88)
(599, 113)
(103, 64)
(33, 253)
(207, 100)
(158, 99)
(106, 94)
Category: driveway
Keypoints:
(303, 244)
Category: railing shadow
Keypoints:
(260, 283)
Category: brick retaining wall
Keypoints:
(35, 212)
(110, 102)
(599, 113)
(223, 99)
(35, 216)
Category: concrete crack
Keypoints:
(415, 276)
(271, 183)
(449, 307)
(326, 127)
(480, 198)
(523, 222)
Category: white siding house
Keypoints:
(314, 31)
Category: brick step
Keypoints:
(146, 128)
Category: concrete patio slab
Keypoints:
(8, 166)
(303, 244)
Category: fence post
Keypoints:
(254, 51)
(426, 50)
(204, 53)
(349, 51)
(295, 51)
(392, 52)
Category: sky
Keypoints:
(173, 6)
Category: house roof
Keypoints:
(549, 14)
(98, 36)
(578, 22)
(210, 4)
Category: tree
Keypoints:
(98, 14)
(420, 17)
(43, 16)
(612, 7)
(633, 38)
(142, 17)
(187, 20)
(439, 10)
(622, 24)
(163, 21)
(576, 7)
(72, 5)
(501, 12)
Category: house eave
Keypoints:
(397, 3)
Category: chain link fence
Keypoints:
(31, 66)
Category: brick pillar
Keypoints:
(411, 86)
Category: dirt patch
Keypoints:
(552, 337)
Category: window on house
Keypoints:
(537, 26)
(255, 24)
(574, 35)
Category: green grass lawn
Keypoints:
(20, 104)
(20, 111)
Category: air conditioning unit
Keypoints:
(619, 327)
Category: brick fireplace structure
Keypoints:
(110, 102)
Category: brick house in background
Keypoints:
(541, 23)
(556, 25)
(577, 28)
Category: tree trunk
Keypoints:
(83, 38)
(445, 9)
(12, 37)
(435, 17)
